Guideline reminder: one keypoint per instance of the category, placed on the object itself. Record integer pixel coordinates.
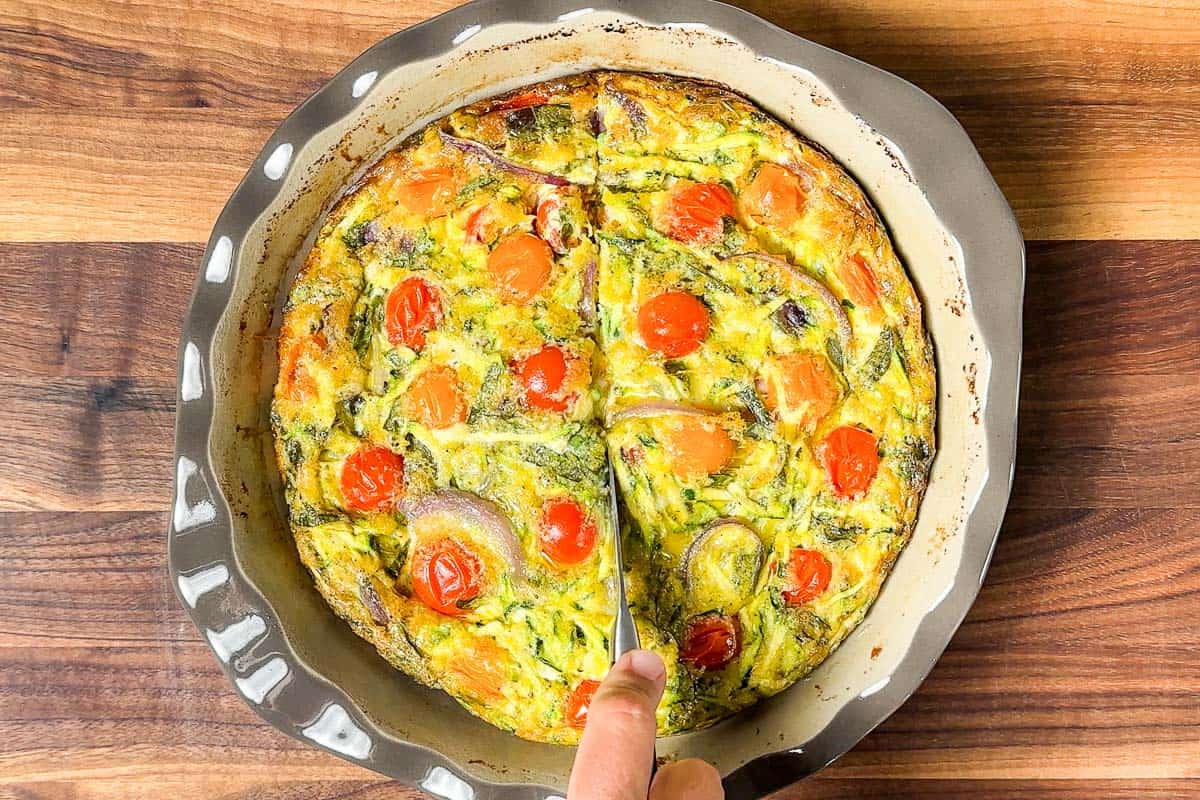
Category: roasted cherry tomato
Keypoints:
(775, 197)
(859, 281)
(808, 574)
(800, 382)
(475, 224)
(520, 265)
(696, 212)
(478, 671)
(446, 574)
(548, 223)
(435, 398)
(372, 479)
(413, 308)
(534, 97)
(578, 702)
(673, 323)
(543, 376)
(295, 381)
(698, 447)
(711, 642)
(850, 460)
(567, 534)
(427, 192)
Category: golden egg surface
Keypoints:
(622, 266)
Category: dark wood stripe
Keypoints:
(88, 363)
(86, 443)
(94, 310)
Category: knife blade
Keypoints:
(625, 635)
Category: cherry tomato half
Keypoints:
(567, 535)
(859, 280)
(435, 398)
(446, 574)
(775, 197)
(548, 223)
(808, 574)
(698, 447)
(520, 265)
(850, 460)
(711, 642)
(413, 308)
(695, 212)
(801, 382)
(578, 702)
(534, 97)
(372, 479)
(673, 323)
(543, 376)
(427, 192)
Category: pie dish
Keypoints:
(640, 264)
(233, 558)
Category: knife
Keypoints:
(624, 634)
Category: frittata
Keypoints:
(641, 268)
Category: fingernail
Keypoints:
(645, 664)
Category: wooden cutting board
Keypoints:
(123, 128)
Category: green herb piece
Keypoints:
(833, 349)
(754, 404)
(833, 529)
(475, 184)
(307, 516)
(880, 357)
(356, 235)
(913, 457)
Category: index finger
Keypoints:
(617, 749)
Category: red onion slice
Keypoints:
(487, 154)
(471, 508)
(370, 598)
(706, 536)
(813, 285)
(656, 408)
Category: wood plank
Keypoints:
(1112, 308)
(136, 175)
(1017, 52)
(180, 55)
(1101, 418)
(80, 310)
(86, 443)
(1069, 171)
(1107, 441)
(96, 310)
(1035, 687)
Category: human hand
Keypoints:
(617, 749)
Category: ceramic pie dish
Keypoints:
(231, 554)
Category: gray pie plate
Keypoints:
(231, 555)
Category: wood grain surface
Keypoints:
(123, 128)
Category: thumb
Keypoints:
(617, 748)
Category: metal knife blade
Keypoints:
(625, 635)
